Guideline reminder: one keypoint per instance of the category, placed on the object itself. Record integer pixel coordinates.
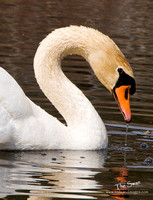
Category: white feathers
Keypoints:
(24, 125)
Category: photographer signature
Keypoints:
(126, 184)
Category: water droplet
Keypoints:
(43, 153)
(82, 157)
(144, 146)
(127, 126)
(148, 160)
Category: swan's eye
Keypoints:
(125, 79)
(120, 70)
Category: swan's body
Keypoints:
(24, 125)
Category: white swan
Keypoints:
(24, 125)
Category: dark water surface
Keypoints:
(118, 172)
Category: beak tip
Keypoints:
(127, 119)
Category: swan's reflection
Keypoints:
(63, 174)
(73, 172)
(56, 174)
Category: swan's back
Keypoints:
(12, 97)
(23, 124)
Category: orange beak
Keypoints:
(122, 95)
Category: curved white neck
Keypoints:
(64, 95)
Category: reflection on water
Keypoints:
(119, 172)
(67, 174)
(109, 174)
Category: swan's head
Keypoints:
(123, 88)
(115, 73)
